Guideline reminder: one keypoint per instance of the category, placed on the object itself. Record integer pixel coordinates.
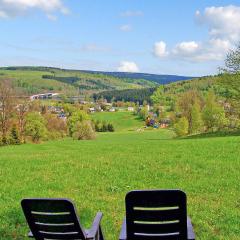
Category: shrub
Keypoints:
(35, 126)
(196, 119)
(104, 127)
(83, 131)
(214, 114)
(97, 126)
(181, 127)
(57, 127)
(76, 117)
(110, 127)
(14, 137)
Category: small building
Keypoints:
(164, 123)
(44, 96)
(112, 110)
(131, 109)
(92, 110)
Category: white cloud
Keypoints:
(126, 66)
(224, 33)
(132, 13)
(222, 22)
(160, 49)
(126, 28)
(14, 8)
(186, 48)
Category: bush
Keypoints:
(181, 127)
(214, 114)
(14, 137)
(35, 126)
(110, 127)
(76, 117)
(83, 131)
(57, 127)
(104, 127)
(97, 126)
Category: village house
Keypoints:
(43, 96)
(131, 109)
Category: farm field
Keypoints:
(97, 174)
(122, 121)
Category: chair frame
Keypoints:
(189, 231)
(94, 233)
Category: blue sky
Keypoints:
(165, 37)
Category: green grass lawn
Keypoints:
(97, 174)
(122, 121)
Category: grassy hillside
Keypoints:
(158, 78)
(97, 174)
(42, 79)
(224, 85)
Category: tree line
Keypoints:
(22, 120)
(129, 95)
(208, 104)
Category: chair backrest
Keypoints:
(156, 215)
(52, 219)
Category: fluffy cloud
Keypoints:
(160, 49)
(224, 33)
(14, 8)
(126, 66)
(186, 48)
(126, 28)
(132, 14)
(222, 22)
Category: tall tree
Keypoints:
(6, 106)
(181, 127)
(213, 113)
(232, 61)
(158, 96)
(196, 117)
(22, 110)
(185, 104)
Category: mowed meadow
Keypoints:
(97, 174)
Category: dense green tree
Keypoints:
(185, 104)
(83, 131)
(75, 118)
(104, 127)
(15, 139)
(35, 126)
(196, 119)
(110, 127)
(143, 113)
(213, 114)
(159, 96)
(181, 127)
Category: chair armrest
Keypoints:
(30, 235)
(96, 228)
(123, 233)
(190, 231)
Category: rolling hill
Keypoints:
(34, 80)
(157, 78)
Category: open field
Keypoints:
(122, 121)
(96, 175)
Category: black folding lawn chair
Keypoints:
(156, 215)
(58, 219)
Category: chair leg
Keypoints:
(100, 233)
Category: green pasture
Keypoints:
(97, 174)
